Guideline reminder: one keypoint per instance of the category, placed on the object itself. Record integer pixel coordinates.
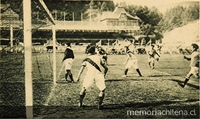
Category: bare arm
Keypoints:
(80, 72)
(105, 69)
(103, 64)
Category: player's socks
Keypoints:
(101, 97)
(153, 66)
(150, 64)
(125, 72)
(185, 82)
(100, 102)
(71, 77)
(81, 99)
(66, 75)
(138, 71)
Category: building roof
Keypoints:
(116, 14)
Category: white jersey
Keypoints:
(132, 61)
(93, 74)
(91, 69)
(131, 56)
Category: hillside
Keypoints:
(163, 8)
(183, 35)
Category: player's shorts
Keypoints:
(68, 63)
(105, 57)
(156, 57)
(132, 63)
(151, 59)
(97, 78)
(194, 71)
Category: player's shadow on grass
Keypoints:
(188, 84)
(118, 80)
(42, 81)
(113, 80)
(144, 104)
(176, 75)
(111, 64)
(158, 75)
(129, 78)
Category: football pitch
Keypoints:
(155, 95)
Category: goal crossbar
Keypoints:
(46, 10)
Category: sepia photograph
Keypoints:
(99, 59)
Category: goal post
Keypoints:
(28, 58)
(54, 53)
(28, 52)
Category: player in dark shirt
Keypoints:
(152, 56)
(103, 53)
(68, 60)
(194, 64)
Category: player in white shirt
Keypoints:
(194, 64)
(131, 61)
(93, 75)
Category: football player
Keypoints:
(94, 74)
(131, 61)
(194, 64)
(103, 53)
(68, 60)
(152, 55)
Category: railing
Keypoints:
(122, 23)
(110, 25)
(86, 25)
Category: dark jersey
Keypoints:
(68, 54)
(152, 53)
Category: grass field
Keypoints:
(157, 90)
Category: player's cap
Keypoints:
(91, 49)
(69, 44)
(195, 46)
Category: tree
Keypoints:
(150, 19)
(193, 12)
(104, 6)
(107, 6)
(179, 16)
(94, 8)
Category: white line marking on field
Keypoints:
(54, 87)
(50, 95)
